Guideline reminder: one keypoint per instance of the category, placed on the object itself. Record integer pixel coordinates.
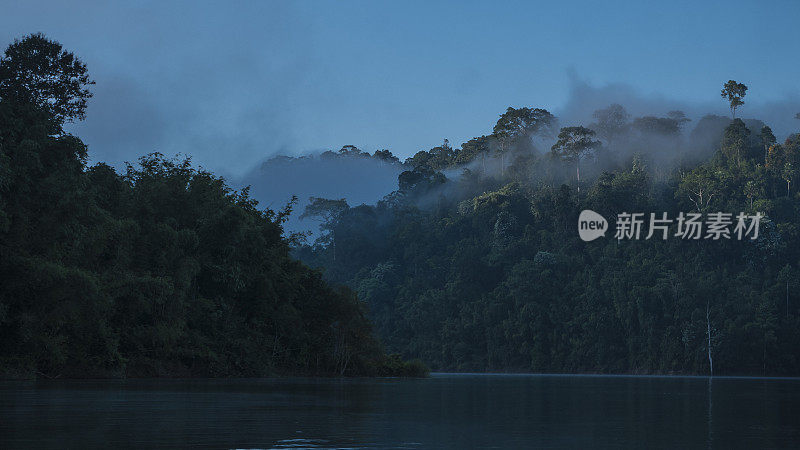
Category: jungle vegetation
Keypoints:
(161, 270)
(475, 264)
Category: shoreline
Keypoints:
(430, 376)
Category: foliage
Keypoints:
(734, 92)
(493, 277)
(37, 71)
(160, 271)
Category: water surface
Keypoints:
(446, 410)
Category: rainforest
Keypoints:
(472, 264)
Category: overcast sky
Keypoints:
(231, 83)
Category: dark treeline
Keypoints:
(475, 264)
(162, 270)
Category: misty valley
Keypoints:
(484, 293)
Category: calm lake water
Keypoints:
(446, 410)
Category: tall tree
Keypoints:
(520, 122)
(700, 186)
(386, 156)
(574, 143)
(36, 70)
(679, 117)
(660, 126)
(709, 338)
(751, 190)
(735, 140)
(610, 122)
(328, 211)
(765, 324)
(734, 92)
(776, 157)
(787, 277)
(767, 139)
(472, 148)
(352, 150)
(518, 125)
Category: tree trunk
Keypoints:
(708, 334)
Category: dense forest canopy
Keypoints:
(475, 264)
(161, 270)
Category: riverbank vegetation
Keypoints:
(162, 270)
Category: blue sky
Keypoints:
(234, 82)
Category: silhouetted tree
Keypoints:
(516, 126)
(734, 92)
(37, 71)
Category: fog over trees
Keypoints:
(474, 262)
(470, 260)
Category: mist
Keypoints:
(357, 179)
(362, 180)
(585, 98)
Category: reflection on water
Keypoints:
(446, 410)
(710, 414)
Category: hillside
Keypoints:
(162, 270)
(475, 263)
